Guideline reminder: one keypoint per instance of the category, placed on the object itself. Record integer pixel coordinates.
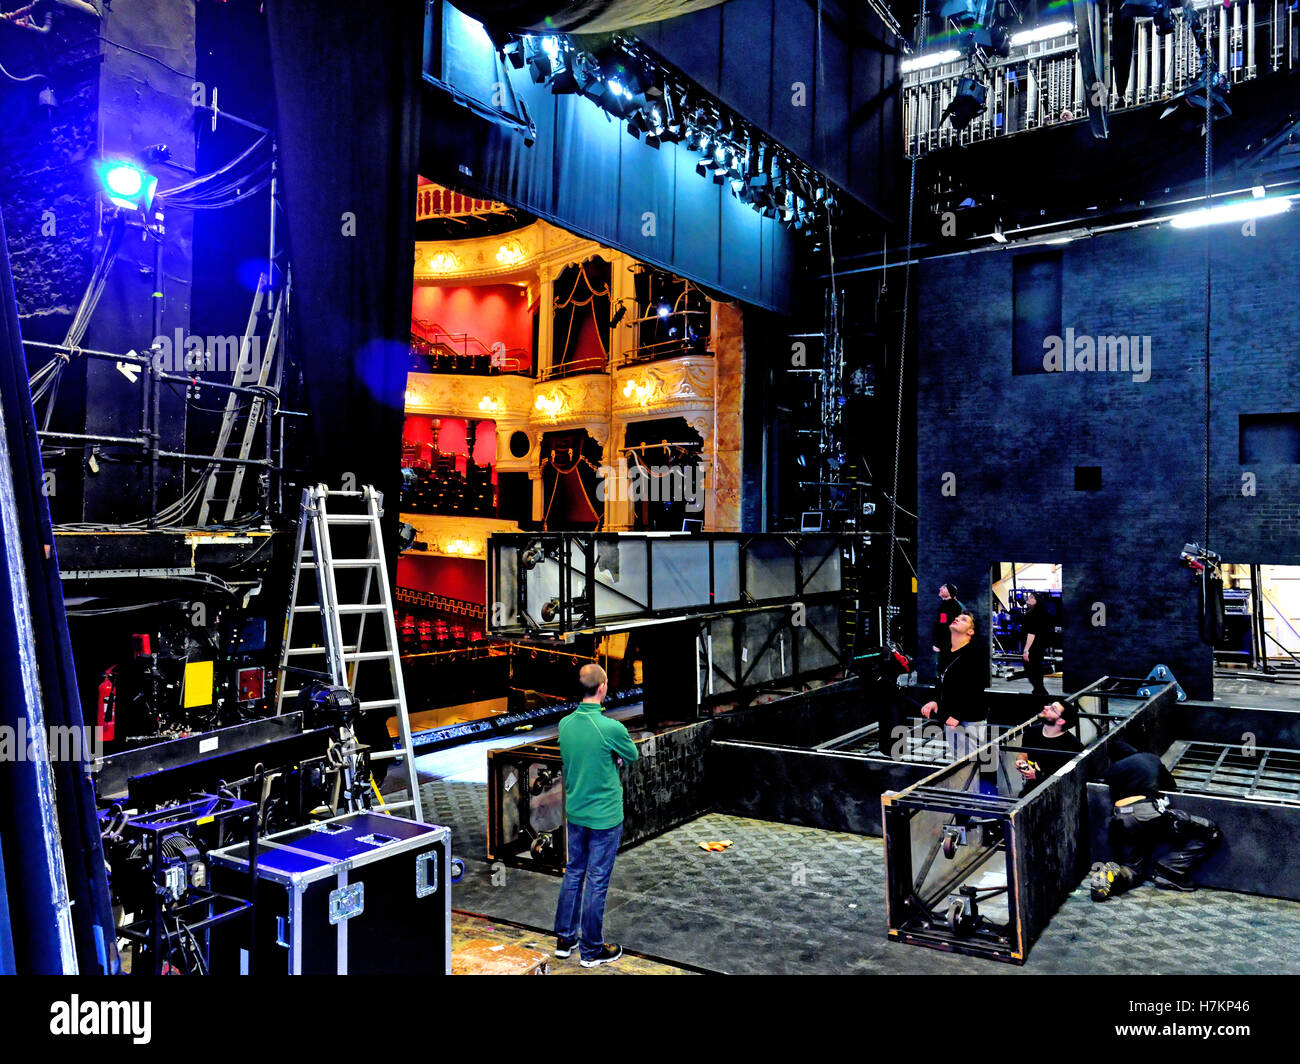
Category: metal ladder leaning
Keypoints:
(342, 659)
(251, 371)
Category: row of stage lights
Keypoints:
(628, 85)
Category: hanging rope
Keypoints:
(902, 362)
(1209, 189)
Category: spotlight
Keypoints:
(543, 57)
(967, 104)
(663, 310)
(1210, 90)
(1159, 12)
(582, 75)
(126, 184)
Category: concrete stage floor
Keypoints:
(794, 900)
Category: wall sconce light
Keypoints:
(641, 391)
(510, 253)
(444, 262)
(490, 405)
(411, 397)
(551, 405)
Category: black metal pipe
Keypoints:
(135, 441)
(209, 458)
(151, 373)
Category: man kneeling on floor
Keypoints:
(593, 748)
(1142, 821)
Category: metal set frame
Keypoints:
(577, 609)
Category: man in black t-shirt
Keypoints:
(1038, 630)
(1050, 744)
(959, 690)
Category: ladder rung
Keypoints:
(290, 694)
(368, 655)
(344, 494)
(358, 608)
(382, 703)
(349, 519)
(355, 563)
(387, 806)
(385, 755)
(299, 651)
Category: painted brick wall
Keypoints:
(1012, 442)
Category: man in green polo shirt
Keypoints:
(593, 747)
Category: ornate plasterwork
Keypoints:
(455, 537)
(519, 255)
(672, 386)
(504, 398)
(571, 401)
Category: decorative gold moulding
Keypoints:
(455, 537)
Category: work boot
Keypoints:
(1106, 880)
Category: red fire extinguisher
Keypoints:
(106, 713)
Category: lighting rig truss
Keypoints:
(659, 105)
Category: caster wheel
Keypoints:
(954, 917)
(457, 869)
(950, 846)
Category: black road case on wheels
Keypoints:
(362, 894)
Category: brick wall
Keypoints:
(1012, 442)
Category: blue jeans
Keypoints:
(591, 860)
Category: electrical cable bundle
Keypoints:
(226, 186)
(45, 381)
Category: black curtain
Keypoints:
(41, 690)
(346, 80)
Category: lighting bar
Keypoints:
(1042, 33)
(1240, 211)
(924, 62)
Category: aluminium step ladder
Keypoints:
(335, 656)
(253, 370)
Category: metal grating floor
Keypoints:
(1267, 773)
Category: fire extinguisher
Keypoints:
(106, 712)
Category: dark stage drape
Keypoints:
(53, 888)
(346, 82)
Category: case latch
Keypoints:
(347, 902)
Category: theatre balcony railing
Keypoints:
(575, 367)
(438, 350)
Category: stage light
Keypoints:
(967, 104)
(1159, 11)
(924, 62)
(1042, 33)
(1208, 90)
(664, 310)
(1239, 211)
(998, 234)
(126, 184)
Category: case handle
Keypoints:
(426, 874)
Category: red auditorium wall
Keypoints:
(489, 313)
(458, 578)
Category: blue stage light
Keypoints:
(126, 184)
